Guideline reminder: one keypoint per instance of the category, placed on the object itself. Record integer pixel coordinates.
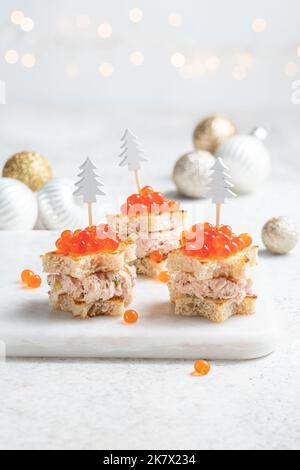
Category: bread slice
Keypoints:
(113, 307)
(148, 223)
(235, 266)
(82, 266)
(147, 267)
(217, 311)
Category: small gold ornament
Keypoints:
(213, 131)
(29, 167)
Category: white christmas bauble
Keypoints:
(18, 206)
(58, 209)
(192, 173)
(248, 160)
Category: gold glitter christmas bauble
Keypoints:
(213, 131)
(29, 167)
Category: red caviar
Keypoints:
(30, 279)
(130, 316)
(35, 282)
(209, 242)
(88, 241)
(202, 368)
(157, 256)
(148, 201)
(26, 275)
(164, 277)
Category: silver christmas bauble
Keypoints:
(248, 160)
(192, 173)
(58, 209)
(18, 206)
(280, 235)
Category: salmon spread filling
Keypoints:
(218, 288)
(164, 242)
(99, 286)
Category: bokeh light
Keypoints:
(177, 60)
(175, 20)
(28, 60)
(136, 15)
(12, 57)
(105, 30)
(137, 58)
(245, 58)
(291, 69)
(72, 70)
(83, 21)
(106, 69)
(27, 24)
(259, 25)
(17, 17)
(213, 63)
(239, 72)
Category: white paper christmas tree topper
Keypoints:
(89, 186)
(132, 155)
(220, 187)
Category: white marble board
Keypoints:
(29, 329)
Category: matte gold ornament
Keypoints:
(29, 167)
(280, 235)
(213, 131)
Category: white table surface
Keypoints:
(139, 404)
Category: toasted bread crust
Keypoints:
(147, 267)
(82, 266)
(113, 307)
(149, 223)
(234, 266)
(216, 311)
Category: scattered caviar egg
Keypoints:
(130, 316)
(202, 368)
(157, 256)
(35, 282)
(164, 277)
(216, 243)
(26, 275)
